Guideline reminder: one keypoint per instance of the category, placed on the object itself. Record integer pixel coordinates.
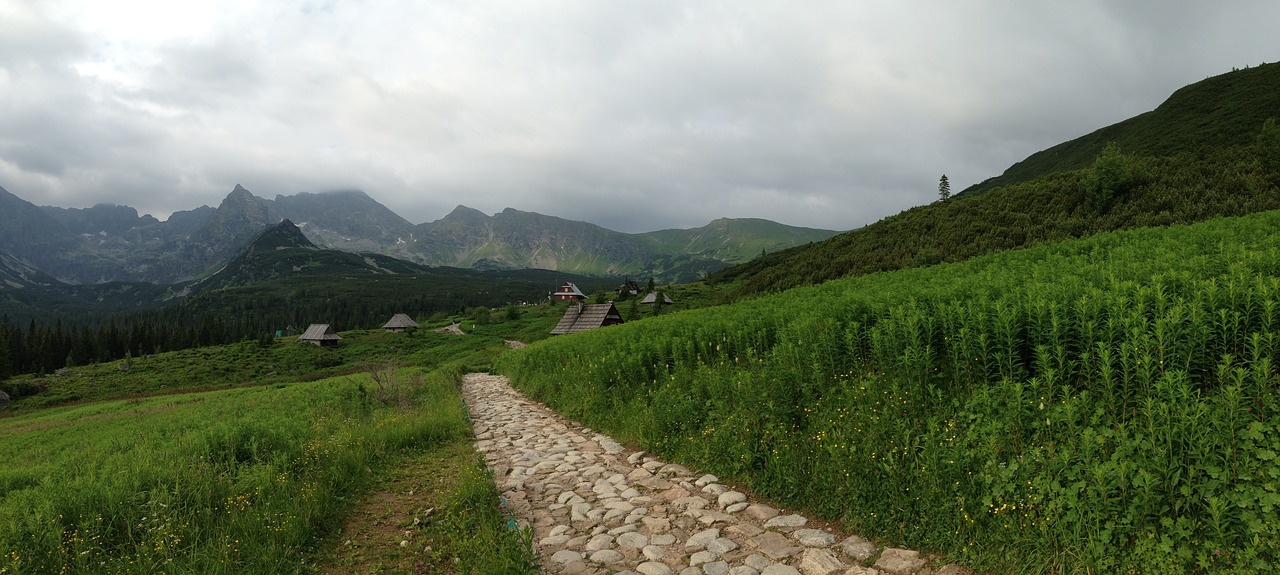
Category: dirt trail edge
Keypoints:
(596, 508)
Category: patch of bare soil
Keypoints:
(455, 329)
(390, 531)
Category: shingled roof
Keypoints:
(320, 334)
(652, 298)
(583, 317)
(400, 322)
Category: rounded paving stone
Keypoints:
(632, 539)
(814, 537)
(566, 556)
(786, 521)
(653, 568)
(607, 557)
(716, 568)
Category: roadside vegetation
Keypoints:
(1098, 405)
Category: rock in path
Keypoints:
(596, 509)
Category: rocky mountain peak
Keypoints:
(282, 235)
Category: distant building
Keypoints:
(399, 323)
(569, 292)
(652, 298)
(628, 289)
(583, 317)
(320, 334)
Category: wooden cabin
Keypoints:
(320, 334)
(583, 317)
(628, 288)
(569, 292)
(400, 323)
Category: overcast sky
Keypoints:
(635, 115)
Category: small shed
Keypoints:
(400, 323)
(583, 317)
(569, 292)
(652, 298)
(320, 334)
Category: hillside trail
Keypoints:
(596, 507)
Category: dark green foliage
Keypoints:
(258, 303)
(1092, 406)
(1112, 174)
(1155, 191)
(1268, 146)
(944, 188)
(1220, 112)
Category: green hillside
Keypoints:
(732, 240)
(1220, 112)
(1162, 169)
(250, 458)
(1105, 405)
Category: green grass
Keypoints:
(282, 361)
(253, 472)
(221, 482)
(1099, 405)
(437, 512)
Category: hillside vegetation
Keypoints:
(249, 458)
(1090, 406)
(280, 283)
(1221, 112)
(1205, 153)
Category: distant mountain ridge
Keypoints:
(113, 243)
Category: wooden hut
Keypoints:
(652, 298)
(569, 292)
(628, 289)
(400, 323)
(583, 317)
(320, 334)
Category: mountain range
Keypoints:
(109, 243)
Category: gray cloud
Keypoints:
(662, 114)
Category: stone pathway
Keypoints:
(596, 508)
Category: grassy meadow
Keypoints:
(256, 466)
(1106, 405)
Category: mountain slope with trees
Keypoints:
(107, 243)
(1235, 172)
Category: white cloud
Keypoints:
(637, 117)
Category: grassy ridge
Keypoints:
(1159, 191)
(1217, 113)
(1099, 405)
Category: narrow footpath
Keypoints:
(597, 508)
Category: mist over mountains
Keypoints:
(109, 243)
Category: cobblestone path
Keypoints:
(597, 508)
